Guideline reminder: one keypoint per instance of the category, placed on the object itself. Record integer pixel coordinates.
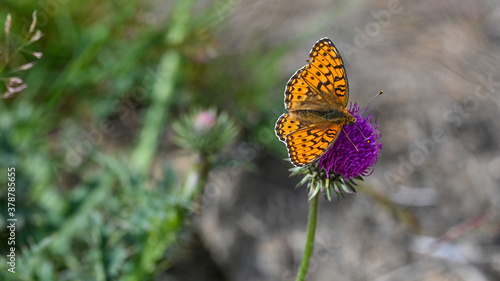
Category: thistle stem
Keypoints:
(196, 180)
(311, 232)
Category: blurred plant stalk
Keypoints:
(196, 180)
(163, 90)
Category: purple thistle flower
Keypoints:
(354, 154)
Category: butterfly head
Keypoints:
(350, 119)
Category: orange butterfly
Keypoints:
(316, 98)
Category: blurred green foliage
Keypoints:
(112, 76)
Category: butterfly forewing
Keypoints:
(325, 61)
(300, 96)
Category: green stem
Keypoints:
(311, 232)
(196, 181)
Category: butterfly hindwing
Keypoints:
(308, 144)
(286, 124)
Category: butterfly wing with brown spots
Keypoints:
(299, 95)
(308, 144)
(321, 84)
(286, 124)
(326, 70)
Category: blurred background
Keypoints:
(144, 148)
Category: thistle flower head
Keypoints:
(204, 120)
(351, 157)
(356, 149)
(205, 131)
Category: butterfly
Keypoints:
(316, 98)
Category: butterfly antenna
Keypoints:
(361, 131)
(350, 140)
(361, 110)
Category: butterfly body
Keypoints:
(334, 116)
(316, 98)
